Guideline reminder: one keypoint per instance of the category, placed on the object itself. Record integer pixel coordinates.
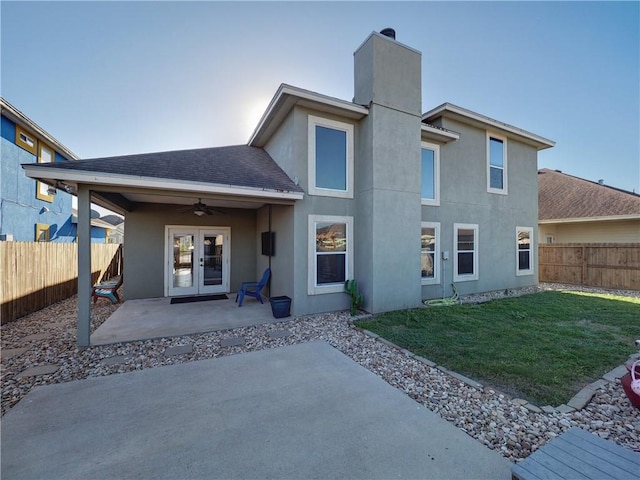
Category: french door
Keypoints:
(197, 260)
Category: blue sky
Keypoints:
(111, 78)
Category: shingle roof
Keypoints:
(564, 196)
(238, 165)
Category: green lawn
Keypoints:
(543, 347)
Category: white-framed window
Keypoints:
(330, 158)
(524, 251)
(430, 174)
(550, 238)
(465, 258)
(46, 154)
(330, 253)
(496, 163)
(429, 258)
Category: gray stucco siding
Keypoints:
(144, 253)
(464, 199)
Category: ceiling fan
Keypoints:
(200, 209)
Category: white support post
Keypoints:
(84, 266)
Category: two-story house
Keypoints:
(30, 210)
(372, 189)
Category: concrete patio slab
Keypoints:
(301, 411)
(156, 318)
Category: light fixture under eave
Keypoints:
(51, 190)
(199, 212)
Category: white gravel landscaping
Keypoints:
(47, 337)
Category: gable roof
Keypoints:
(287, 97)
(234, 166)
(565, 197)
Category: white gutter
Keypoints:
(607, 218)
(441, 132)
(477, 117)
(95, 178)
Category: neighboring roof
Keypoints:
(287, 97)
(16, 116)
(112, 219)
(234, 166)
(449, 110)
(568, 198)
(95, 222)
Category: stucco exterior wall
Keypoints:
(144, 253)
(464, 199)
(290, 151)
(623, 231)
(20, 210)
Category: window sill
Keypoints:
(329, 288)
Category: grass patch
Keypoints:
(543, 347)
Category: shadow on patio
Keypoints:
(156, 317)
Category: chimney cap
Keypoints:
(388, 32)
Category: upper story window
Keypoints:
(465, 259)
(330, 253)
(26, 140)
(496, 164)
(524, 253)
(330, 158)
(430, 246)
(45, 155)
(430, 174)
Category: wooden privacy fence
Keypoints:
(604, 265)
(34, 275)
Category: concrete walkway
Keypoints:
(301, 411)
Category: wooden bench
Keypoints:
(107, 289)
(577, 454)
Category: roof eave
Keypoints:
(606, 218)
(20, 118)
(287, 97)
(50, 175)
(431, 132)
(467, 116)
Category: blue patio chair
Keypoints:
(253, 289)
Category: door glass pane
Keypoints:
(182, 261)
(212, 259)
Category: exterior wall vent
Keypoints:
(388, 32)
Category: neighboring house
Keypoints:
(100, 230)
(116, 233)
(575, 210)
(30, 210)
(404, 202)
